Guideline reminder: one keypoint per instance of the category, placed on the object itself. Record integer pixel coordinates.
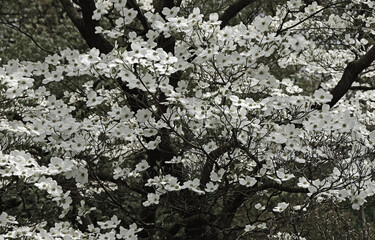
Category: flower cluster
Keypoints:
(87, 125)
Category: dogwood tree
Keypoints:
(246, 123)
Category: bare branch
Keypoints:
(350, 75)
(233, 10)
(308, 17)
(362, 88)
(72, 13)
(282, 23)
(29, 35)
(276, 186)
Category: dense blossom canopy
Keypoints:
(177, 124)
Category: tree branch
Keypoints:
(76, 199)
(29, 35)
(86, 25)
(230, 208)
(140, 15)
(233, 10)
(308, 17)
(178, 3)
(351, 73)
(276, 186)
(72, 13)
(211, 158)
(169, 3)
(160, 4)
(362, 88)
